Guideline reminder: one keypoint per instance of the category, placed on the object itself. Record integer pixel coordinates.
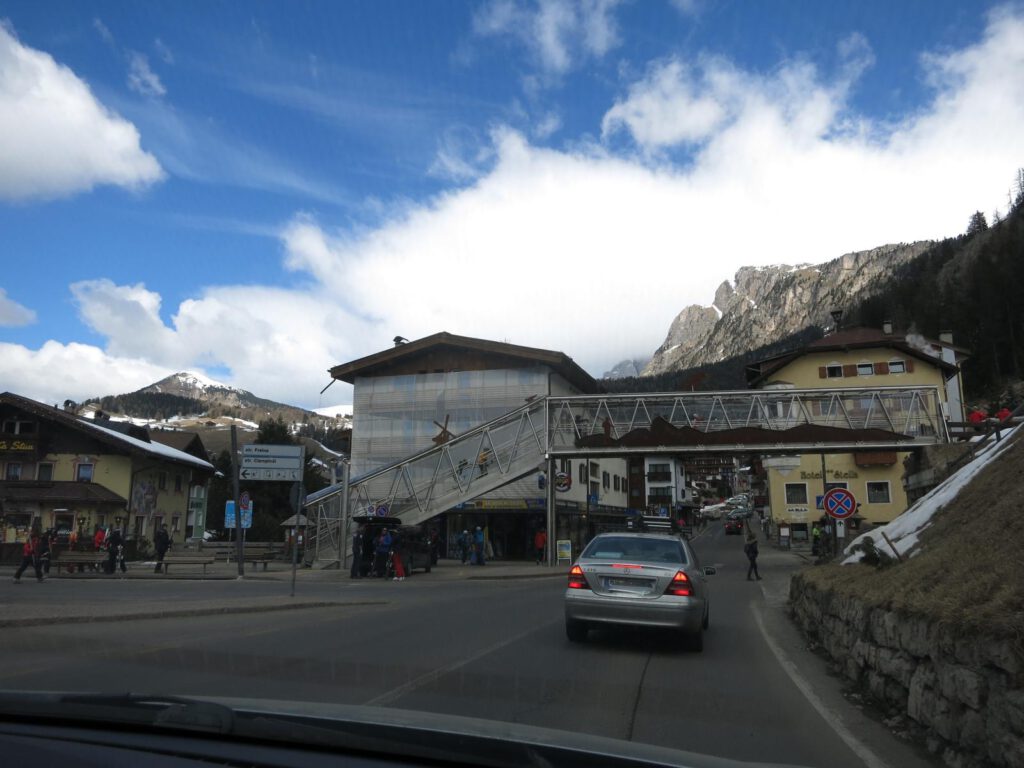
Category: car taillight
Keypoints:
(680, 585)
(576, 578)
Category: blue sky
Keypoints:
(261, 190)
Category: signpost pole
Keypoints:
(239, 550)
(343, 525)
(298, 518)
(551, 511)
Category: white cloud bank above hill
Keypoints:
(593, 252)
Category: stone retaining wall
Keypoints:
(966, 693)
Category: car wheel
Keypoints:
(576, 631)
(694, 641)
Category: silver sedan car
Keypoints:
(638, 579)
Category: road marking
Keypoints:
(869, 758)
(435, 674)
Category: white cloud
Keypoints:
(141, 77)
(547, 126)
(103, 30)
(56, 372)
(687, 7)
(558, 34)
(592, 253)
(12, 313)
(163, 51)
(55, 137)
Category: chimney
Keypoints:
(887, 327)
(946, 337)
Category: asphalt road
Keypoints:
(491, 649)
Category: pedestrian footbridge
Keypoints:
(521, 441)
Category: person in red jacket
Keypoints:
(540, 544)
(30, 554)
(1003, 413)
(977, 416)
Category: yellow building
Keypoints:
(856, 357)
(73, 474)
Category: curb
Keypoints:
(517, 577)
(183, 612)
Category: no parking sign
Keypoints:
(839, 503)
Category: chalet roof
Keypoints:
(850, 339)
(56, 492)
(138, 445)
(507, 355)
(186, 442)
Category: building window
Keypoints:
(594, 469)
(865, 369)
(606, 480)
(583, 472)
(878, 492)
(615, 483)
(15, 427)
(44, 471)
(796, 493)
(175, 523)
(566, 466)
(140, 526)
(161, 481)
(897, 366)
(13, 470)
(83, 473)
(834, 371)
(177, 483)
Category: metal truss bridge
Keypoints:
(523, 441)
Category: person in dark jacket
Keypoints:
(380, 553)
(357, 553)
(750, 549)
(162, 543)
(115, 548)
(30, 552)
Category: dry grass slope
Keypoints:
(969, 572)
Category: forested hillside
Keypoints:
(972, 285)
(150, 405)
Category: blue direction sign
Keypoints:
(840, 503)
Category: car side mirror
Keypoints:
(709, 570)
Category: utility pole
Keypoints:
(239, 551)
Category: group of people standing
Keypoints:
(386, 558)
(40, 545)
(472, 547)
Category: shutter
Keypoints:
(822, 372)
(881, 368)
(850, 370)
(910, 365)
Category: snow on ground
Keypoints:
(905, 529)
(333, 411)
(717, 311)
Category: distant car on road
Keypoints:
(733, 524)
(638, 579)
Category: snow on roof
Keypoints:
(905, 529)
(155, 448)
(335, 410)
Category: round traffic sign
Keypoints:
(244, 500)
(839, 503)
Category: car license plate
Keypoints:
(627, 582)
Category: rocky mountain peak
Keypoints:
(763, 304)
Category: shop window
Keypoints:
(796, 493)
(13, 470)
(878, 492)
(44, 471)
(83, 473)
(897, 366)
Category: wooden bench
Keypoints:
(203, 560)
(71, 559)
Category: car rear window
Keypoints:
(632, 548)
